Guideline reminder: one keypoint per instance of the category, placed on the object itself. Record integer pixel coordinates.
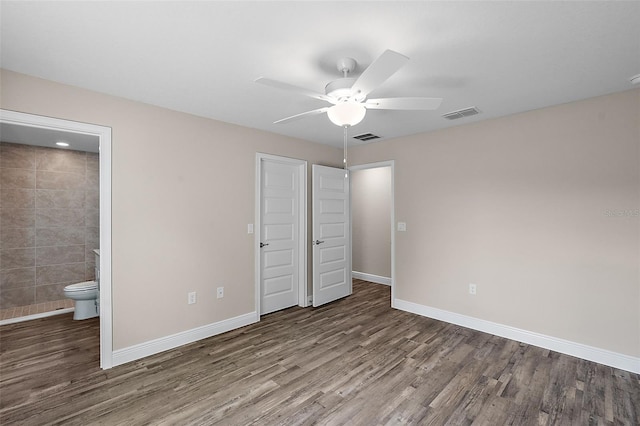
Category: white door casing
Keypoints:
(104, 136)
(331, 235)
(281, 232)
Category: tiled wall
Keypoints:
(49, 222)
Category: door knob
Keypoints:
(263, 244)
(317, 242)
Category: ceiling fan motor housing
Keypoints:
(341, 90)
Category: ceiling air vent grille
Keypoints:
(366, 137)
(466, 112)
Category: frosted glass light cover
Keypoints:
(346, 113)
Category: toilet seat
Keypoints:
(83, 286)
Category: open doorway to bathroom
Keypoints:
(55, 210)
(50, 218)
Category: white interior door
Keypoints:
(279, 235)
(331, 235)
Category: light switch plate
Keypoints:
(250, 228)
(402, 226)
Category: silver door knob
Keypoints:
(317, 242)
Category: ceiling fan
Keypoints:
(349, 95)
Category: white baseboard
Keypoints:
(132, 353)
(590, 353)
(370, 277)
(36, 316)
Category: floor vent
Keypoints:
(466, 112)
(366, 137)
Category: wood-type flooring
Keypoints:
(355, 361)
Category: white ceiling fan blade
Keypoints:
(404, 103)
(296, 89)
(302, 115)
(378, 72)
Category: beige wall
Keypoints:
(532, 208)
(539, 209)
(49, 222)
(182, 196)
(371, 216)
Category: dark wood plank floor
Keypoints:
(355, 361)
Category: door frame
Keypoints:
(104, 137)
(302, 223)
(388, 163)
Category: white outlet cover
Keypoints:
(402, 226)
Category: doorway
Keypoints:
(103, 134)
(373, 235)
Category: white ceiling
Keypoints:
(202, 57)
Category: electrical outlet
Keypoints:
(191, 298)
(220, 292)
(472, 289)
(402, 226)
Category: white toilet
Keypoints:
(85, 295)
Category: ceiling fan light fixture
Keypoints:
(349, 95)
(346, 113)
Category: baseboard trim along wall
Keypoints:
(370, 277)
(579, 350)
(132, 353)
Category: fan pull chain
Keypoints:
(346, 175)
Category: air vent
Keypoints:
(366, 137)
(466, 112)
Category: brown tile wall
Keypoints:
(49, 222)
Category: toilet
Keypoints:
(85, 295)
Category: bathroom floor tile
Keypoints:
(38, 308)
